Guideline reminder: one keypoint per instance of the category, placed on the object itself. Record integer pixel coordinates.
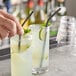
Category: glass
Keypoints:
(38, 34)
(21, 59)
(66, 31)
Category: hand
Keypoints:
(9, 25)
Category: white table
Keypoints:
(62, 63)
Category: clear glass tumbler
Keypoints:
(21, 56)
(39, 44)
(66, 31)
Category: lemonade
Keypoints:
(21, 59)
(38, 34)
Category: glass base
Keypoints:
(38, 71)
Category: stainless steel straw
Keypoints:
(43, 49)
(19, 43)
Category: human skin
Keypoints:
(9, 25)
(60, 0)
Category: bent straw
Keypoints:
(19, 43)
(43, 49)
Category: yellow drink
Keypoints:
(21, 59)
(38, 38)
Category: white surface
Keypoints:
(62, 63)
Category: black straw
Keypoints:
(27, 18)
(52, 16)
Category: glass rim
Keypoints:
(37, 26)
(68, 18)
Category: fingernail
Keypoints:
(21, 32)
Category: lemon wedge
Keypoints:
(42, 34)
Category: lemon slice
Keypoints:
(25, 47)
(42, 34)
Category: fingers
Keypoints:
(18, 26)
(3, 33)
(9, 25)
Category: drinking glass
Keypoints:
(39, 44)
(66, 31)
(21, 56)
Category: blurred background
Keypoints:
(42, 10)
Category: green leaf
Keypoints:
(44, 24)
(27, 31)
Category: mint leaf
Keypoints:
(26, 31)
(44, 24)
